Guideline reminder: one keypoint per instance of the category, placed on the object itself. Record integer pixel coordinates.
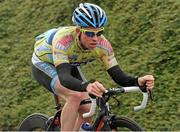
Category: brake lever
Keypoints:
(151, 95)
(144, 89)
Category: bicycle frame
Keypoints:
(54, 121)
(104, 117)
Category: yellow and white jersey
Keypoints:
(61, 45)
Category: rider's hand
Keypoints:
(148, 79)
(96, 89)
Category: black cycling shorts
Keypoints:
(45, 73)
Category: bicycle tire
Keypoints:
(124, 124)
(36, 121)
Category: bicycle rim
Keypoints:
(34, 122)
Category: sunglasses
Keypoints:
(91, 33)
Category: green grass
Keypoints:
(145, 36)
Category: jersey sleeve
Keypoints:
(60, 47)
(106, 53)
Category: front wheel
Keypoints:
(34, 122)
(124, 124)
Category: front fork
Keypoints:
(105, 122)
(108, 122)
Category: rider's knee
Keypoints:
(75, 97)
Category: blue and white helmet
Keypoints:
(89, 15)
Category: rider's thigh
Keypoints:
(70, 95)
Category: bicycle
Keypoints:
(105, 120)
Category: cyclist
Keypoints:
(55, 51)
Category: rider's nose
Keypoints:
(95, 38)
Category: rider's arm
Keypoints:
(61, 43)
(110, 62)
(122, 78)
(67, 80)
(117, 74)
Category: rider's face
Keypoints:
(89, 37)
